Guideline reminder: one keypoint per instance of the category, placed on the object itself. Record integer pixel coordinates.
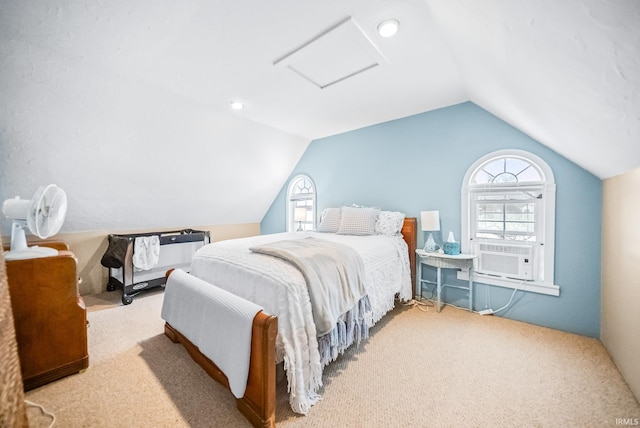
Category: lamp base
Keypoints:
(430, 246)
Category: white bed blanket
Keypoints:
(280, 289)
(217, 322)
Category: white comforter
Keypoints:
(280, 289)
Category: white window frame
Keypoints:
(545, 228)
(295, 199)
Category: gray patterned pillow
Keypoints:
(329, 220)
(390, 223)
(358, 221)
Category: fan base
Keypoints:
(34, 252)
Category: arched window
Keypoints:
(508, 220)
(301, 204)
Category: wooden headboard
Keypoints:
(410, 235)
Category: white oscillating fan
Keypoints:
(43, 215)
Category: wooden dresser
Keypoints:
(50, 316)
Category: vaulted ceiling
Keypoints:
(566, 72)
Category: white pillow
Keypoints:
(390, 223)
(358, 221)
(330, 220)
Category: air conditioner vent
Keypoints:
(507, 249)
(512, 261)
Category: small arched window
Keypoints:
(301, 204)
(508, 219)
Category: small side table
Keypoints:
(445, 261)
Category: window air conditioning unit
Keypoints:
(512, 261)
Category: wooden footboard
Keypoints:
(259, 401)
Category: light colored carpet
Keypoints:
(418, 369)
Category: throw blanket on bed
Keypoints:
(334, 274)
(216, 321)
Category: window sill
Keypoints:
(531, 286)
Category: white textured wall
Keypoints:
(79, 107)
(620, 332)
(564, 72)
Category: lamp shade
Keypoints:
(300, 214)
(430, 220)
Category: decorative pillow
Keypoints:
(358, 221)
(389, 223)
(330, 220)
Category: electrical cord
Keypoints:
(422, 301)
(508, 303)
(492, 311)
(466, 309)
(418, 303)
(42, 411)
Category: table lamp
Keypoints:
(430, 221)
(300, 215)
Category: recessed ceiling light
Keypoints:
(236, 105)
(388, 27)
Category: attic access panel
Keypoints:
(334, 55)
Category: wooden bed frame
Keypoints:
(259, 402)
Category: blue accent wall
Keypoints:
(418, 163)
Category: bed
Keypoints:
(284, 331)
